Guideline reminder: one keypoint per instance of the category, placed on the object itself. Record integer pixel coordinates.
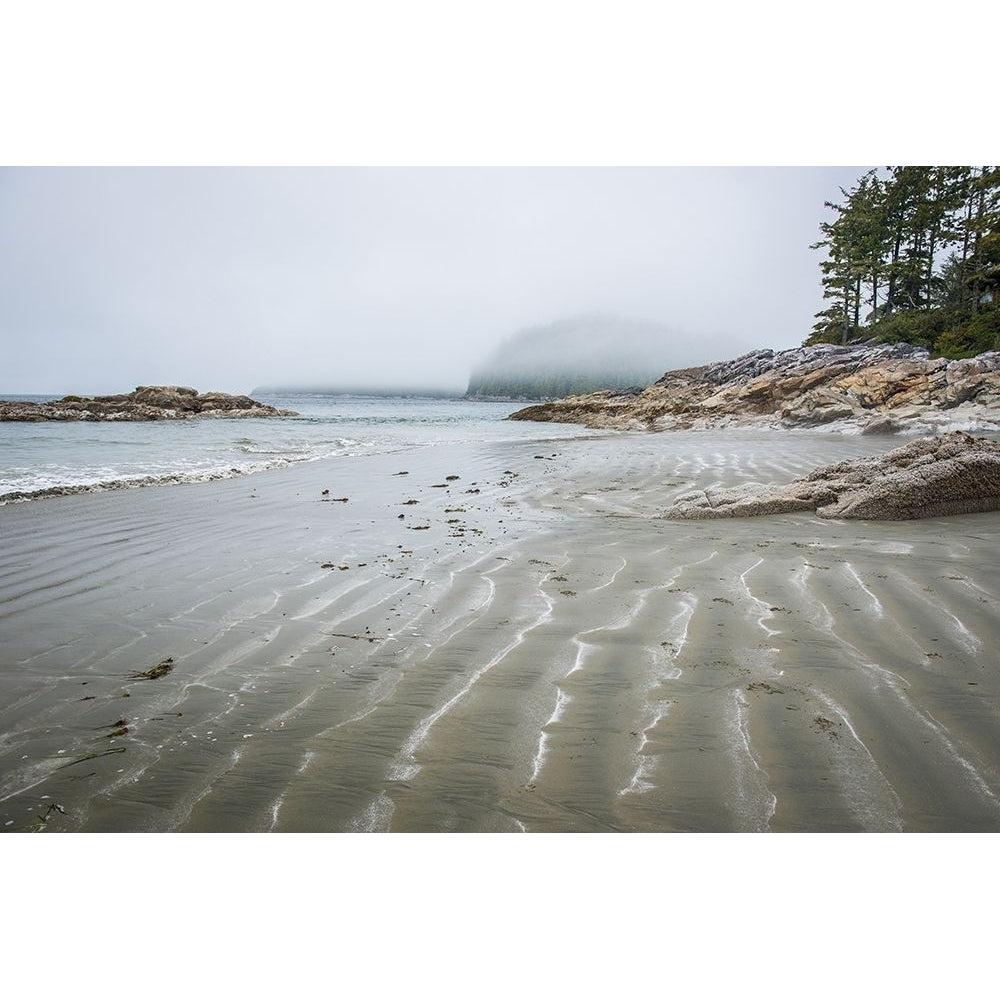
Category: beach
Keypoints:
(526, 647)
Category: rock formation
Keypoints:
(146, 402)
(930, 477)
(881, 388)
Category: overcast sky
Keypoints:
(229, 278)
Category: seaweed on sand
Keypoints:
(91, 756)
(155, 673)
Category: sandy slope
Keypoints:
(544, 655)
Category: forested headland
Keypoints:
(579, 354)
(913, 255)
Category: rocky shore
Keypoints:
(877, 388)
(146, 402)
(930, 477)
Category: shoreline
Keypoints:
(51, 458)
(211, 475)
(877, 388)
(542, 654)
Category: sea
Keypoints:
(56, 458)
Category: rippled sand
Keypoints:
(542, 654)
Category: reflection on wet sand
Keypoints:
(527, 648)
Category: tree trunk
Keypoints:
(976, 233)
(930, 266)
(890, 299)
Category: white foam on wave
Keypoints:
(944, 423)
(41, 487)
(301, 448)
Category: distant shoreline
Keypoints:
(379, 393)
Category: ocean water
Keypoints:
(55, 458)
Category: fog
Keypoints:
(578, 354)
(229, 278)
(599, 342)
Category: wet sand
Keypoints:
(539, 654)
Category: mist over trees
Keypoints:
(576, 355)
(913, 254)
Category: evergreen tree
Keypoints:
(984, 232)
(913, 242)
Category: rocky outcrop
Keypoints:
(879, 388)
(930, 477)
(146, 402)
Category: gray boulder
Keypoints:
(952, 473)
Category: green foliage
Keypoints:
(910, 256)
(949, 333)
(832, 327)
(917, 327)
(980, 333)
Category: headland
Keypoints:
(866, 388)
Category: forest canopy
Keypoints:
(913, 255)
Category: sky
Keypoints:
(229, 278)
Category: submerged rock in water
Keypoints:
(146, 402)
(931, 477)
(887, 387)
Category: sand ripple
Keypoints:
(526, 649)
